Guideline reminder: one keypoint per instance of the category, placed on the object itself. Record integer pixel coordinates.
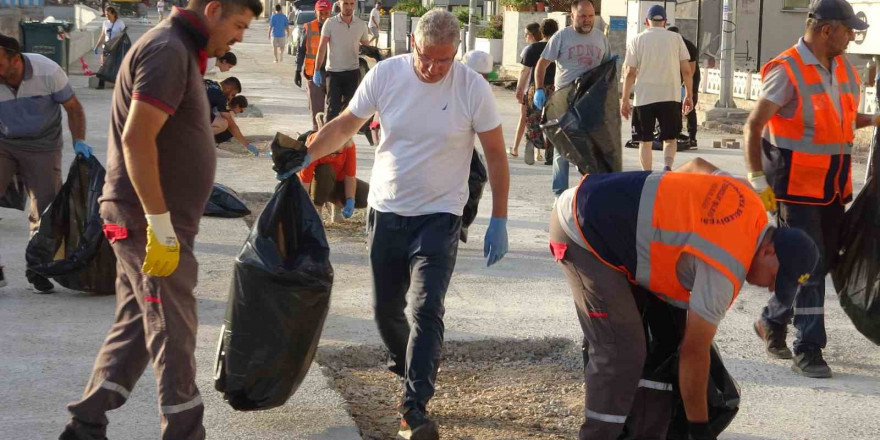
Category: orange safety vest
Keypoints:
(810, 152)
(311, 29)
(718, 219)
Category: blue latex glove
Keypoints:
(287, 174)
(80, 147)
(96, 51)
(495, 243)
(318, 79)
(540, 99)
(348, 210)
(253, 149)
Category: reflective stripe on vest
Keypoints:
(311, 29)
(717, 219)
(815, 131)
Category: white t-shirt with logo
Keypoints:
(657, 53)
(423, 160)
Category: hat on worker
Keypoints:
(656, 13)
(797, 254)
(839, 10)
(479, 61)
(323, 5)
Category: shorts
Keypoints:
(374, 32)
(223, 136)
(645, 118)
(279, 42)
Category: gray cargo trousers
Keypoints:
(618, 399)
(155, 321)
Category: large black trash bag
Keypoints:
(588, 134)
(476, 182)
(664, 329)
(69, 245)
(15, 196)
(856, 274)
(114, 52)
(278, 300)
(225, 202)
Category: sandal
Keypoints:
(512, 153)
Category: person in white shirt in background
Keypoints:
(160, 5)
(657, 62)
(431, 107)
(373, 24)
(113, 26)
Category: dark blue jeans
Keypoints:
(418, 254)
(822, 224)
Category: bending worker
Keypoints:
(800, 134)
(689, 239)
(332, 179)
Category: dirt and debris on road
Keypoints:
(486, 390)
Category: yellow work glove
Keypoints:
(163, 250)
(759, 182)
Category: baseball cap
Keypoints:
(797, 254)
(656, 13)
(323, 5)
(836, 10)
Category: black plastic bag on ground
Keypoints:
(278, 300)
(588, 134)
(225, 202)
(476, 182)
(15, 196)
(856, 273)
(69, 245)
(114, 52)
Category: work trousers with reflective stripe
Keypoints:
(155, 321)
(418, 254)
(620, 403)
(822, 224)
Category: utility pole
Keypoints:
(471, 28)
(728, 43)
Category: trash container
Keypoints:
(48, 39)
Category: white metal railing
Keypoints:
(755, 87)
(741, 84)
(747, 85)
(713, 81)
(869, 97)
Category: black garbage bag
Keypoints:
(588, 135)
(682, 143)
(114, 52)
(15, 196)
(856, 273)
(476, 182)
(225, 202)
(664, 329)
(69, 245)
(287, 152)
(278, 300)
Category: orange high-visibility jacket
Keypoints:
(640, 223)
(312, 34)
(807, 156)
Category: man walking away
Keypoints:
(279, 30)
(610, 233)
(657, 62)
(431, 106)
(577, 49)
(306, 54)
(694, 55)
(33, 89)
(800, 134)
(160, 171)
(341, 38)
(374, 24)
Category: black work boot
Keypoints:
(415, 425)
(811, 364)
(774, 339)
(40, 283)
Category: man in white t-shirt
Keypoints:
(431, 106)
(657, 61)
(374, 23)
(577, 49)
